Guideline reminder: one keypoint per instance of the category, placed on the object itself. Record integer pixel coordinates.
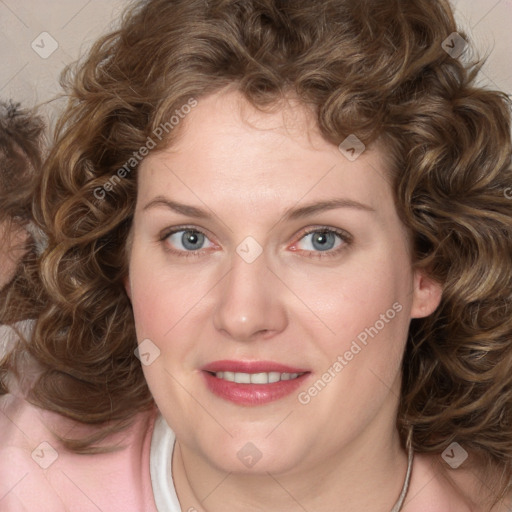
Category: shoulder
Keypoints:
(435, 487)
(38, 474)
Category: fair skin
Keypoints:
(299, 303)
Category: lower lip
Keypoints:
(252, 394)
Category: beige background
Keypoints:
(29, 69)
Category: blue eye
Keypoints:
(187, 240)
(317, 243)
(323, 240)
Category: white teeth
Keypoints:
(256, 378)
(259, 378)
(274, 377)
(242, 378)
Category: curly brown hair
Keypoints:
(378, 69)
(20, 160)
(21, 144)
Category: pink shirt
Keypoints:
(38, 474)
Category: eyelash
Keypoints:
(345, 237)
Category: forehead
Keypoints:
(228, 149)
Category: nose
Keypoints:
(250, 304)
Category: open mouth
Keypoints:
(253, 388)
(256, 378)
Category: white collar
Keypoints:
(160, 466)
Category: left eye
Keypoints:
(188, 240)
(320, 240)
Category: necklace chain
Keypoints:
(410, 457)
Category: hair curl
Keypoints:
(376, 69)
(21, 142)
(20, 160)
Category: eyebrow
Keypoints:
(289, 214)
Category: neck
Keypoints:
(363, 475)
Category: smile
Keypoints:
(253, 388)
(256, 378)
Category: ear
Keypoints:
(426, 295)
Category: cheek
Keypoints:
(156, 306)
(368, 312)
(353, 298)
(163, 299)
(367, 309)
(377, 326)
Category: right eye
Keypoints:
(186, 240)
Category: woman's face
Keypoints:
(261, 251)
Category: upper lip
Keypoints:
(250, 367)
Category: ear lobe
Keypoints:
(427, 295)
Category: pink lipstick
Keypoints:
(252, 382)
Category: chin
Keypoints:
(251, 455)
